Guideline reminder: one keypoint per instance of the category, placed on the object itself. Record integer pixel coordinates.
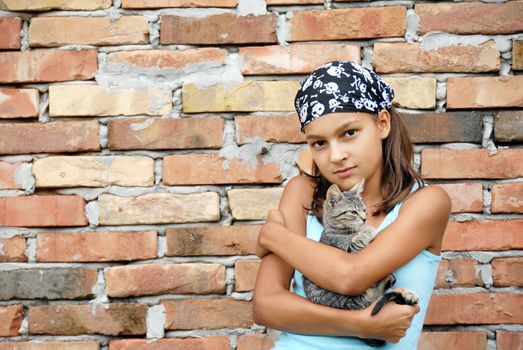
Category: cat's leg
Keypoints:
(403, 297)
(386, 283)
(362, 238)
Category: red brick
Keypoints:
(50, 345)
(245, 275)
(18, 103)
(143, 4)
(154, 279)
(207, 313)
(453, 341)
(509, 340)
(167, 58)
(458, 273)
(209, 343)
(295, 58)
(444, 127)
(485, 92)
(443, 163)
(13, 249)
(52, 31)
(224, 28)
(475, 308)
(10, 320)
(507, 198)
(456, 18)
(508, 272)
(157, 133)
(96, 246)
(47, 66)
(255, 342)
(412, 58)
(483, 235)
(44, 5)
(8, 176)
(508, 126)
(284, 128)
(212, 240)
(465, 197)
(356, 23)
(35, 211)
(10, 28)
(54, 137)
(201, 169)
(70, 319)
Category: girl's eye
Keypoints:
(318, 144)
(350, 133)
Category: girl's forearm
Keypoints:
(311, 258)
(287, 311)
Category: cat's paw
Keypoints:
(361, 240)
(410, 297)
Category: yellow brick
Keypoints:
(414, 92)
(94, 100)
(249, 96)
(253, 204)
(73, 171)
(159, 208)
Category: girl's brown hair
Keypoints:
(399, 174)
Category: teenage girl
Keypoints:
(353, 133)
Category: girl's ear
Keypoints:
(383, 122)
(305, 163)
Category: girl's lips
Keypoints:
(345, 172)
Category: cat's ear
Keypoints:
(333, 192)
(358, 188)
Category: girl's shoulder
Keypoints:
(429, 196)
(301, 189)
(428, 204)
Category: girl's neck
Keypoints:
(372, 193)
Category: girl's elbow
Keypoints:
(348, 284)
(259, 310)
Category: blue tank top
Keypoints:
(418, 275)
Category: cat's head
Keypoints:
(344, 209)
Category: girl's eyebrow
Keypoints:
(338, 129)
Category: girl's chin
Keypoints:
(348, 183)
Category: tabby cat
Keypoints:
(344, 216)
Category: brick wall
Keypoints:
(143, 141)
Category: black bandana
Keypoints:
(341, 86)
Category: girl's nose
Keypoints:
(337, 153)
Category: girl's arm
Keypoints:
(420, 224)
(276, 307)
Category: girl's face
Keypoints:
(346, 147)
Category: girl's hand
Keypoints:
(273, 220)
(391, 322)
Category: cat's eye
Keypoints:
(354, 212)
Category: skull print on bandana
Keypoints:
(341, 86)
